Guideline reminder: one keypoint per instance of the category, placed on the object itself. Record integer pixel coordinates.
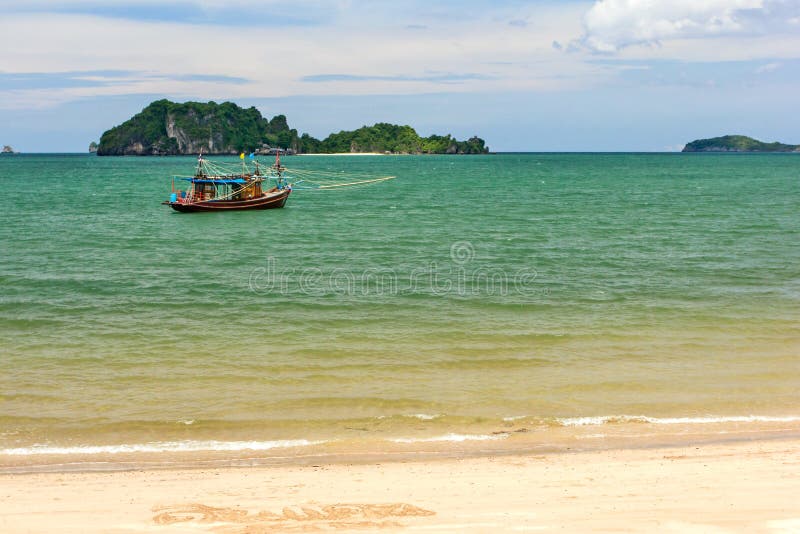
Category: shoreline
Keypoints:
(514, 440)
(747, 485)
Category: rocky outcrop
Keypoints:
(167, 128)
(7, 150)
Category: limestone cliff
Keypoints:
(166, 128)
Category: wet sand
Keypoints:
(744, 486)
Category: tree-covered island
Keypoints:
(737, 143)
(169, 128)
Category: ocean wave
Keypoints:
(610, 419)
(451, 437)
(420, 416)
(166, 446)
(423, 416)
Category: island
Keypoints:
(168, 128)
(737, 143)
(7, 150)
(93, 147)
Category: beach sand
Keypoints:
(343, 154)
(731, 487)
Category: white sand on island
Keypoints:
(736, 487)
(346, 154)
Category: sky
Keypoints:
(602, 75)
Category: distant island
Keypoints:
(7, 150)
(737, 143)
(168, 128)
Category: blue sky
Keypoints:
(605, 75)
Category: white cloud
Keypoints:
(356, 47)
(612, 25)
(381, 56)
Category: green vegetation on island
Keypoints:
(395, 139)
(737, 143)
(168, 128)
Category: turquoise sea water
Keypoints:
(471, 298)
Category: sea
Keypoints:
(493, 304)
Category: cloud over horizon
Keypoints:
(612, 25)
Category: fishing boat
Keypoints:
(213, 188)
(218, 186)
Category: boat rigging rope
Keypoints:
(311, 180)
(383, 179)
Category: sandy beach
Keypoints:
(734, 487)
(344, 154)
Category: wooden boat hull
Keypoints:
(266, 202)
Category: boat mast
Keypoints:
(278, 168)
(198, 174)
(199, 171)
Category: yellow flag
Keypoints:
(241, 156)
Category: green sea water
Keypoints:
(469, 299)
